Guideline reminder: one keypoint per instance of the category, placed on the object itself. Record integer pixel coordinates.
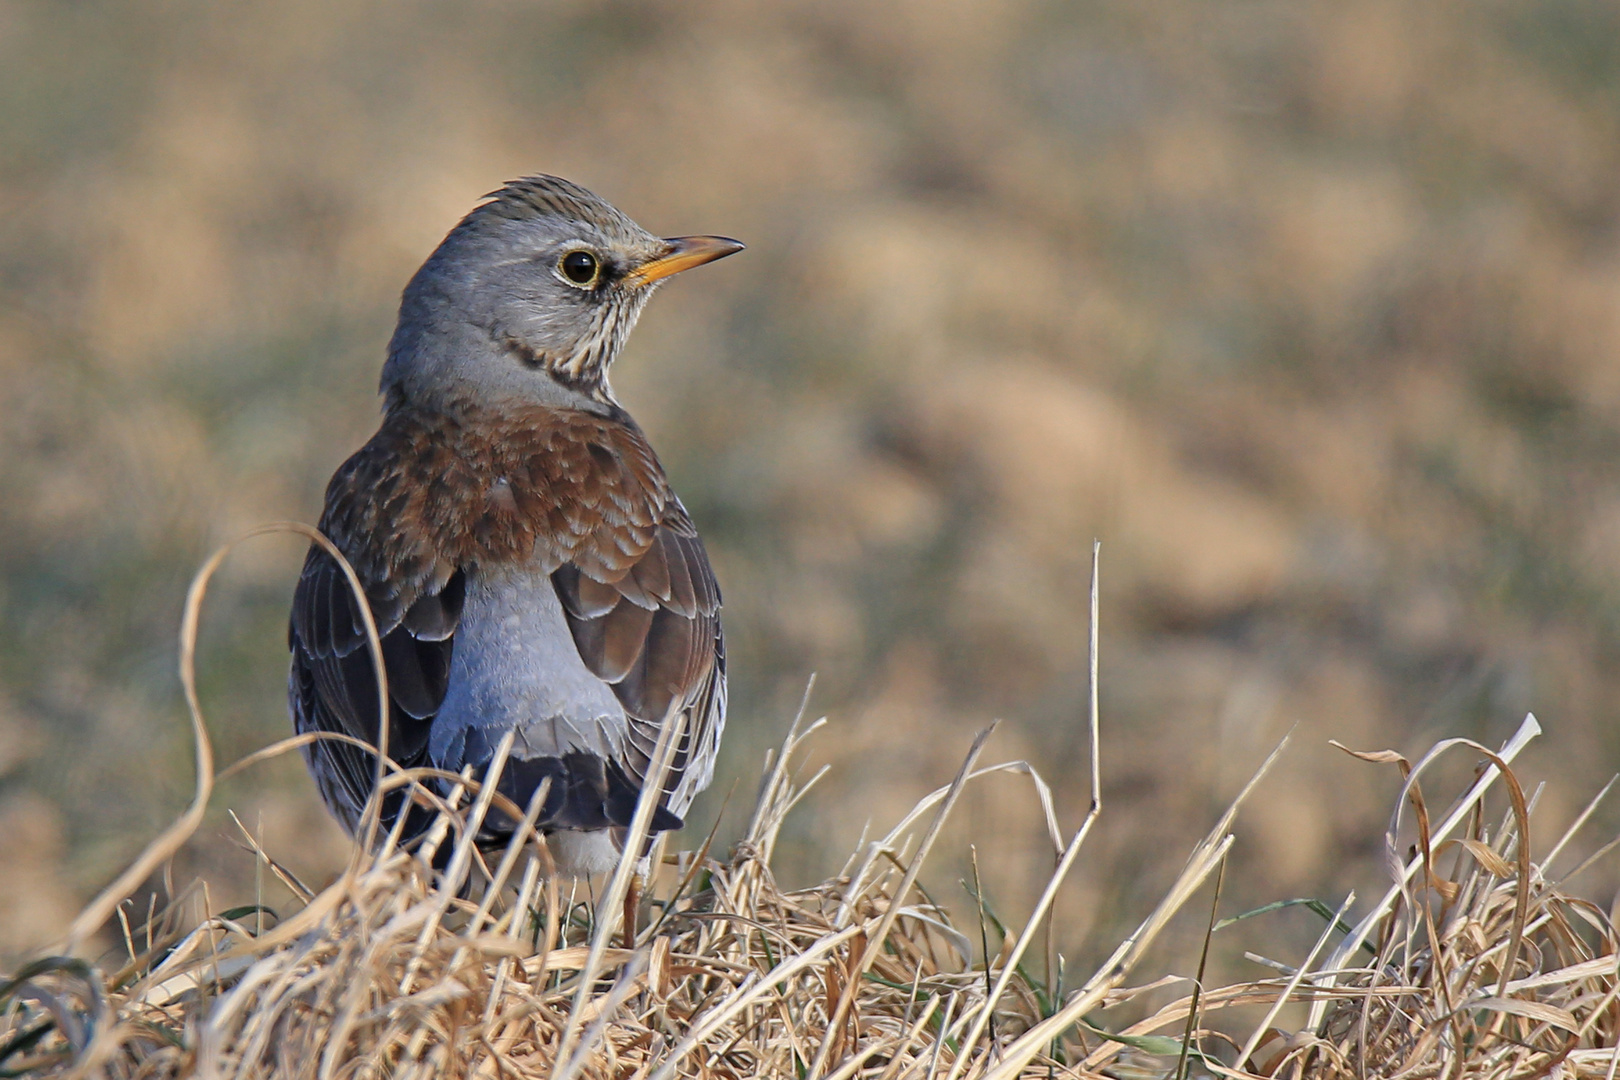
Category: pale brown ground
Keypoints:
(1310, 312)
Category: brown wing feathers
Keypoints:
(430, 499)
(672, 654)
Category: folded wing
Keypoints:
(654, 636)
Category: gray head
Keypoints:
(530, 298)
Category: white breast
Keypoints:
(515, 666)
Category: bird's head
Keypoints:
(530, 298)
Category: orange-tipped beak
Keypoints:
(683, 253)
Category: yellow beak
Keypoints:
(683, 253)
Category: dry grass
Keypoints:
(1474, 964)
(390, 971)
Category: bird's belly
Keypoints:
(581, 853)
(515, 667)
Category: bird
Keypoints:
(528, 566)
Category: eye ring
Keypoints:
(580, 268)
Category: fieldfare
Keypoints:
(528, 566)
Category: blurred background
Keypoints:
(1310, 312)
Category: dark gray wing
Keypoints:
(333, 683)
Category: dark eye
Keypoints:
(580, 267)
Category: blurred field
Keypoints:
(1310, 312)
